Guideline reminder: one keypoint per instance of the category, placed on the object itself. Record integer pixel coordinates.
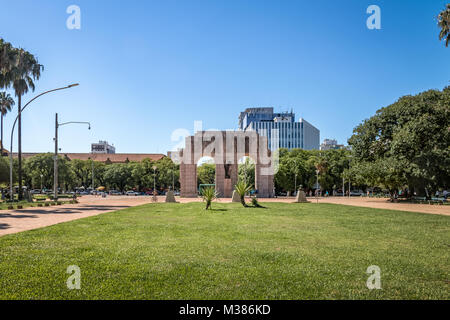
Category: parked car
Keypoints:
(115, 193)
(131, 193)
(356, 193)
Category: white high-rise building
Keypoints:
(280, 128)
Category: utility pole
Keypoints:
(55, 162)
(93, 186)
(295, 182)
(12, 135)
(317, 185)
(349, 188)
(173, 180)
(55, 169)
(343, 186)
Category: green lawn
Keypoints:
(180, 251)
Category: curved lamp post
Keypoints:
(12, 135)
(55, 175)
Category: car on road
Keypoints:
(132, 193)
(115, 193)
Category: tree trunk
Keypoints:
(243, 201)
(19, 128)
(1, 138)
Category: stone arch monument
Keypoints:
(226, 148)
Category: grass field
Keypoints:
(181, 251)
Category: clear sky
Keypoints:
(147, 68)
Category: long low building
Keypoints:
(103, 157)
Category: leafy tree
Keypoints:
(43, 164)
(167, 173)
(118, 175)
(206, 173)
(409, 141)
(4, 170)
(81, 170)
(444, 24)
(6, 103)
(246, 171)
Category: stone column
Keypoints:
(188, 180)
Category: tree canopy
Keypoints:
(407, 143)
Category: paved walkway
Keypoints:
(13, 221)
(377, 203)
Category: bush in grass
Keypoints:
(242, 188)
(10, 207)
(39, 205)
(255, 203)
(19, 206)
(47, 204)
(208, 195)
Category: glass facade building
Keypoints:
(280, 129)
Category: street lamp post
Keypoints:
(41, 180)
(154, 184)
(12, 135)
(92, 163)
(55, 175)
(295, 182)
(173, 180)
(317, 185)
(349, 188)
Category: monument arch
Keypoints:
(226, 148)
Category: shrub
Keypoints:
(255, 203)
(242, 188)
(208, 195)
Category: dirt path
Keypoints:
(13, 221)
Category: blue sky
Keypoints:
(147, 68)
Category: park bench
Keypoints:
(438, 200)
(424, 200)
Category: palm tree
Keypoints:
(208, 195)
(6, 103)
(242, 188)
(19, 70)
(444, 24)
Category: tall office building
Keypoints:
(280, 129)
